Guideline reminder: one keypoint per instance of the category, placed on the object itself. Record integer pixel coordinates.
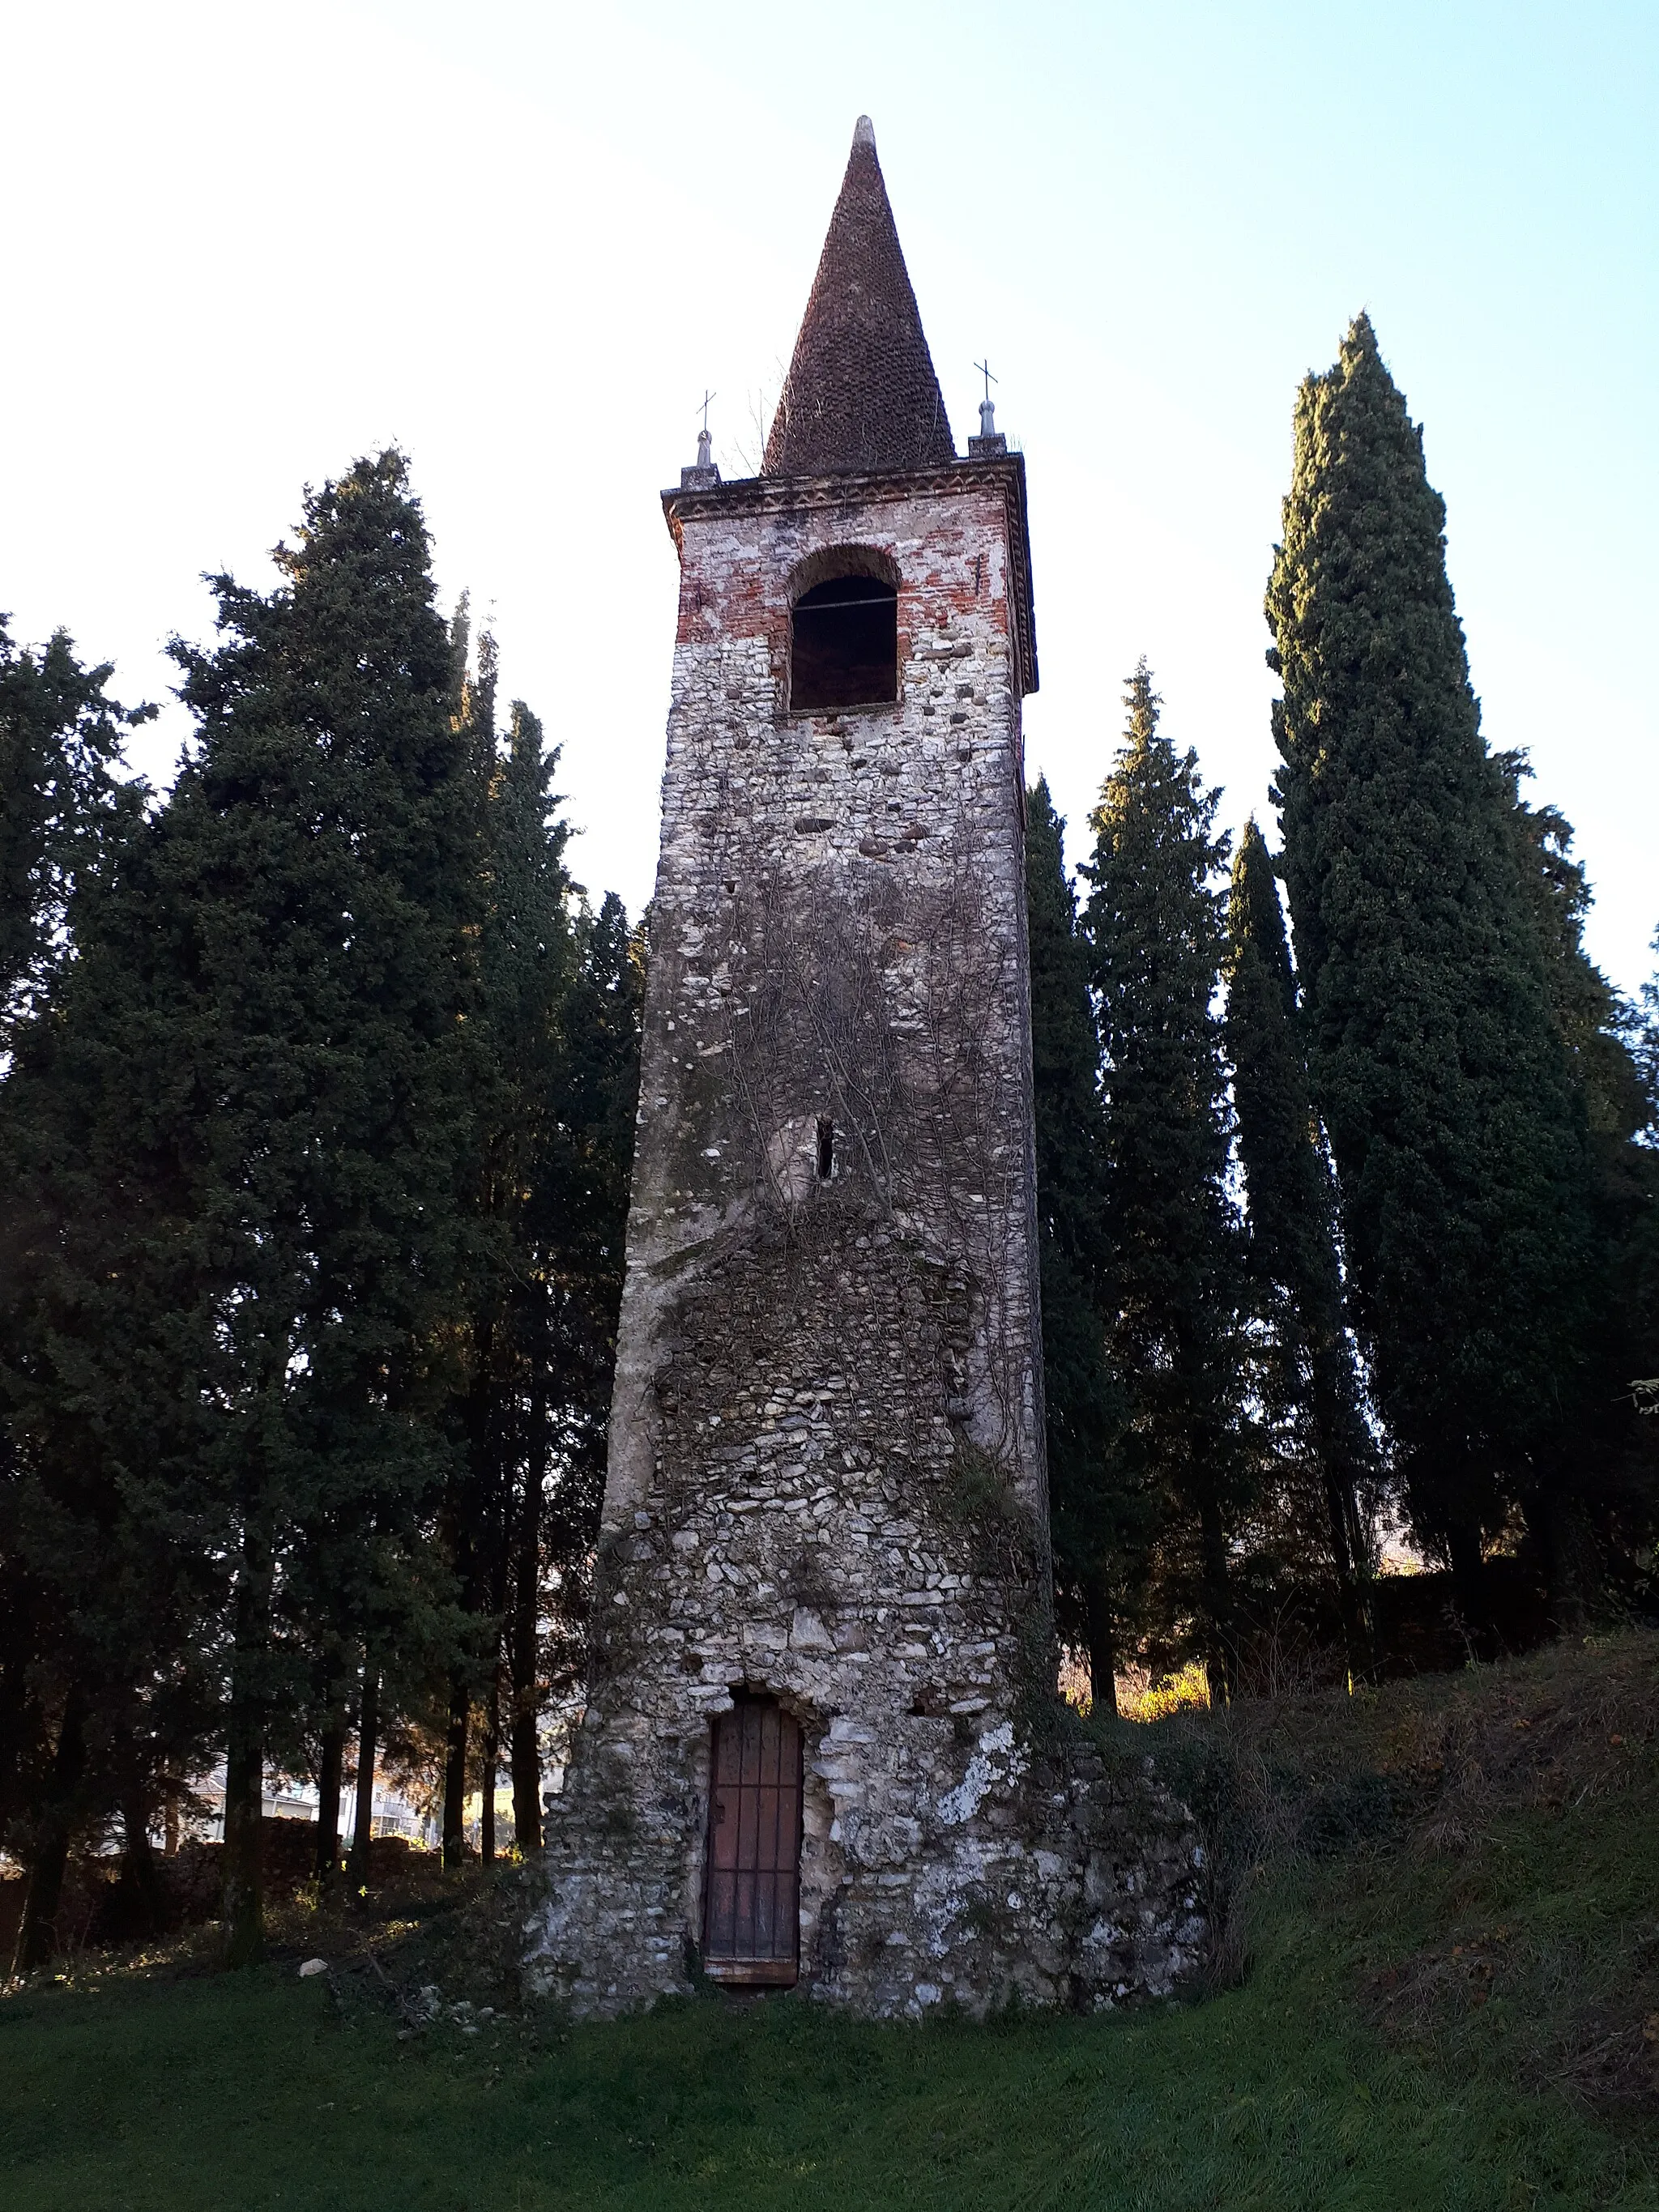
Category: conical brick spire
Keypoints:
(861, 392)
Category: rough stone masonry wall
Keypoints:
(826, 1478)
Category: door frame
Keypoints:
(774, 1971)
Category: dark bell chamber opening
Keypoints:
(844, 646)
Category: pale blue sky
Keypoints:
(245, 244)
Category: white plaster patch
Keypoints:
(996, 1760)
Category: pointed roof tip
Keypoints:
(861, 393)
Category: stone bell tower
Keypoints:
(822, 1598)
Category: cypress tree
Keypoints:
(580, 1221)
(326, 833)
(101, 1683)
(571, 995)
(556, 1029)
(1608, 1516)
(101, 1388)
(526, 960)
(1596, 1026)
(332, 1123)
(1436, 1067)
(257, 1224)
(1153, 924)
(67, 810)
(1641, 1377)
(1293, 1226)
(1098, 1515)
(63, 799)
(473, 1518)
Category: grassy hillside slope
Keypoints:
(1444, 1947)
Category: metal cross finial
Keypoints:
(984, 368)
(707, 399)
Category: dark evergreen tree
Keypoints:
(1645, 1042)
(63, 797)
(530, 960)
(117, 1650)
(1642, 1393)
(1437, 1069)
(580, 1001)
(1099, 1514)
(556, 1032)
(322, 854)
(1292, 1231)
(581, 1222)
(1153, 924)
(496, 1506)
(253, 1228)
(64, 810)
(1597, 1027)
(1609, 1470)
(83, 1591)
(474, 1516)
(317, 1178)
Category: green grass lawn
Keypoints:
(1451, 2017)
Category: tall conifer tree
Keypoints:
(101, 1677)
(529, 964)
(332, 1120)
(63, 799)
(495, 1513)
(1604, 1536)
(1437, 1069)
(322, 850)
(1098, 1514)
(64, 806)
(1596, 1025)
(256, 1219)
(1293, 1226)
(581, 1219)
(1153, 924)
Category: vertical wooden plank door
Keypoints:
(751, 1919)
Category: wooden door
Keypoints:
(751, 1918)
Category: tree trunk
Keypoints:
(1352, 1590)
(37, 1931)
(1338, 1434)
(170, 1791)
(525, 1746)
(244, 1875)
(139, 1906)
(1102, 1647)
(455, 1830)
(492, 1750)
(1468, 1570)
(1221, 1658)
(25, 1723)
(243, 1886)
(363, 1828)
(329, 1769)
(1557, 1526)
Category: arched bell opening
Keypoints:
(843, 645)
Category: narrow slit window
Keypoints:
(843, 645)
(826, 1148)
